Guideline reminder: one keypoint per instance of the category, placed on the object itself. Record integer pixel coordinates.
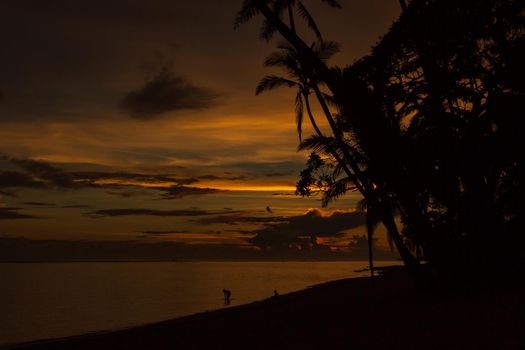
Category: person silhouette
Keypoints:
(227, 295)
(275, 295)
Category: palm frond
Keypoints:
(285, 60)
(309, 20)
(271, 82)
(325, 48)
(247, 12)
(285, 46)
(336, 190)
(332, 3)
(299, 113)
(277, 58)
(318, 144)
(339, 168)
(267, 31)
(279, 6)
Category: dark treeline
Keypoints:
(429, 128)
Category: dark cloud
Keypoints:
(160, 233)
(22, 249)
(168, 192)
(119, 180)
(268, 169)
(6, 193)
(127, 193)
(75, 206)
(12, 213)
(124, 184)
(167, 92)
(187, 181)
(176, 192)
(303, 230)
(215, 177)
(278, 174)
(66, 76)
(39, 204)
(209, 232)
(48, 74)
(241, 218)
(19, 179)
(41, 173)
(90, 177)
(284, 194)
(153, 212)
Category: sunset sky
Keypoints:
(130, 129)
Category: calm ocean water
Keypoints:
(48, 300)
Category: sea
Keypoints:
(53, 300)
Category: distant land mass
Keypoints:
(27, 250)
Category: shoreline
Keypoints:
(359, 313)
(191, 261)
(66, 339)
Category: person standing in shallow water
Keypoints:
(227, 295)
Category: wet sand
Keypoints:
(384, 313)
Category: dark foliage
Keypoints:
(429, 126)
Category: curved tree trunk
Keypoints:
(385, 213)
(369, 233)
(403, 4)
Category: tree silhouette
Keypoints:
(251, 8)
(319, 73)
(298, 77)
(426, 127)
(304, 80)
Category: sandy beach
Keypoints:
(386, 313)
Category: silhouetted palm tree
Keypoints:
(297, 77)
(250, 8)
(371, 224)
(425, 125)
(319, 73)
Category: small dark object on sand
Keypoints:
(275, 295)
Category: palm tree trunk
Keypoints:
(385, 215)
(403, 4)
(371, 196)
(291, 17)
(310, 59)
(311, 116)
(369, 232)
